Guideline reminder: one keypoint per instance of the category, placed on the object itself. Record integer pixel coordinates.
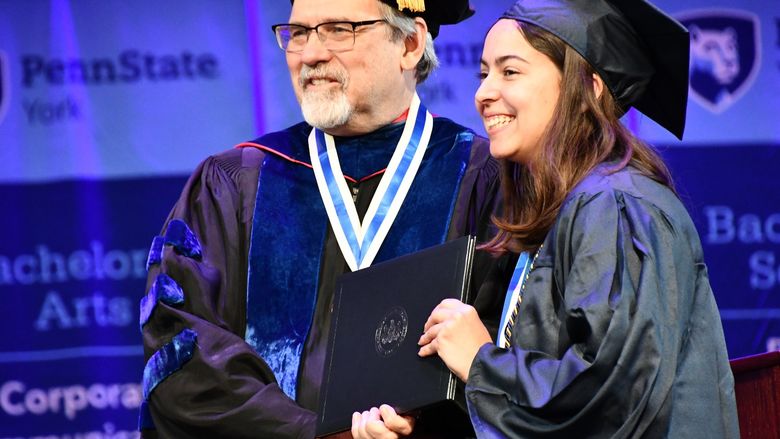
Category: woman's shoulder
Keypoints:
(645, 202)
(628, 181)
(629, 191)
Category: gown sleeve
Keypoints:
(618, 334)
(201, 378)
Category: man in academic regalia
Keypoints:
(236, 316)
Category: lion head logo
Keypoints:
(715, 52)
(724, 55)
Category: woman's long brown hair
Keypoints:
(584, 132)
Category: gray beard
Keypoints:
(326, 109)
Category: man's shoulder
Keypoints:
(447, 125)
(250, 154)
(292, 137)
(479, 146)
(444, 128)
(290, 144)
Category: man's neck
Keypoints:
(402, 117)
(364, 123)
(354, 129)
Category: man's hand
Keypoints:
(456, 333)
(381, 423)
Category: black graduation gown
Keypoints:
(618, 333)
(225, 389)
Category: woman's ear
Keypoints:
(598, 85)
(415, 45)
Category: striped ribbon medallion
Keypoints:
(360, 242)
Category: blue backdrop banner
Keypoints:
(733, 195)
(113, 88)
(107, 105)
(72, 272)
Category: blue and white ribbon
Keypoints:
(360, 242)
(513, 296)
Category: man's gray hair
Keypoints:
(404, 27)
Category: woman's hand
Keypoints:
(456, 333)
(381, 423)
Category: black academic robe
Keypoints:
(618, 334)
(222, 388)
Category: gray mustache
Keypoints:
(320, 71)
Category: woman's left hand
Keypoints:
(456, 333)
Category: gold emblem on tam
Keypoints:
(411, 5)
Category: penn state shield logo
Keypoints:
(725, 55)
(5, 84)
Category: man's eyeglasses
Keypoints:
(336, 36)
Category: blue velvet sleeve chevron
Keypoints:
(164, 290)
(171, 357)
(145, 421)
(155, 252)
(179, 235)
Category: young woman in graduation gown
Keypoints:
(610, 327)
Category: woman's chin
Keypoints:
(503, 152)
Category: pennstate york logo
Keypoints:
(725, 55)
(5, 86)
(391, 331)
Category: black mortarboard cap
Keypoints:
(640, 52)
(434, 12)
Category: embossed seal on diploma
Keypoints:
(391, 331)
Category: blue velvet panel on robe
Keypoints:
(288, 229)
(290, 226)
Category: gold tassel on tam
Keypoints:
(412, 5)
